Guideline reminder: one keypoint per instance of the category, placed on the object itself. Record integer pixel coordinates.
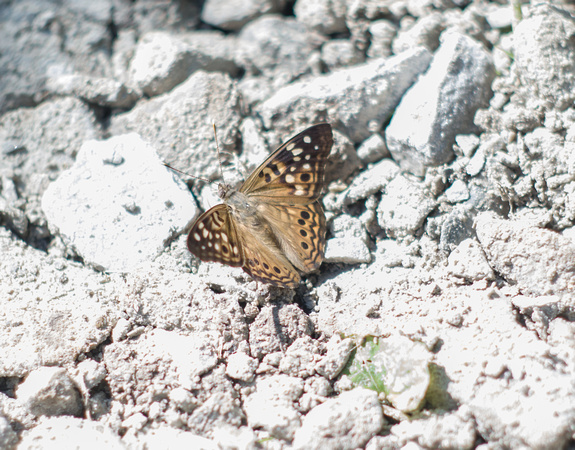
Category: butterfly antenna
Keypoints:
(219, 153)
(187, 174)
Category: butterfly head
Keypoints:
(224, 190)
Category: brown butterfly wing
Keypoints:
(300, 231)
(214, 237)
(294, 173)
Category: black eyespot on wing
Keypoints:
(305, 215)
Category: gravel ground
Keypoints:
(443, 314)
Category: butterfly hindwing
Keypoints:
(300, 231)
(295, 171)
(213, 237)
(267, 266)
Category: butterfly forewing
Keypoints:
(213, 237)
(294, 172)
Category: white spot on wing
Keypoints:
(300, 190)
(290, 147)
(306, 166)
(197, 237)
(307, 139)
(290, 178)
(297, 151)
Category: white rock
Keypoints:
(118, 204)
(271, 406)
(468, 261)
(403, 207)
(344, 422)
(457, 192)
(58, 433)
(241, 366)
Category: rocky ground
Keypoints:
(450, 199)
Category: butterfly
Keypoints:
(273, 226)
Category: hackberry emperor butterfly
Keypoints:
(273, 226)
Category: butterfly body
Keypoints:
(272, 226)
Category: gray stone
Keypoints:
(234, 14)
(382, 33)
(349, 244)
(343, 160)
(448, 430)
(116, 187)
(544, 55)
(51, 148)
(361, 98)
(325, 16)
(91, 374)
(220, 409)
(424, 32)
(467, 143)
(300, 358)
(162, 61)
(457, 226)
(340, 53)
(39, 42)
(106, 92)
(457, 192)
(164, 436)
(403, 207)
(8, 437)
(271, 39)
(178, 124)
(275, 327)
(336, 357)
(371, 181)
(49, 391)
(215, 50)
(373, 149)
(347, 251)
(442, 103)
